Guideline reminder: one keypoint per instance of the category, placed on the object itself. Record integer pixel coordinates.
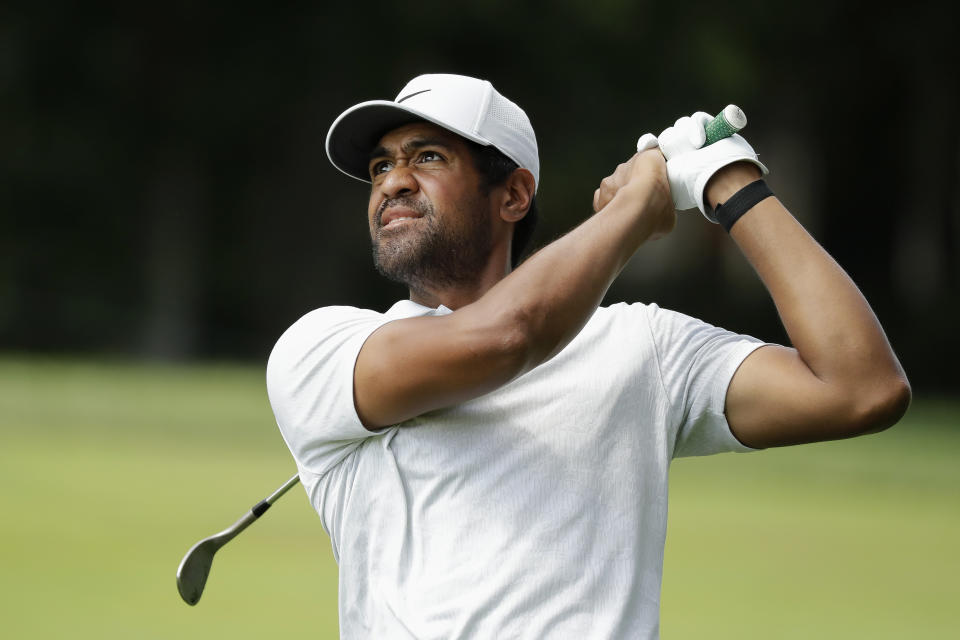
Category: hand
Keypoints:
(690, 165)
(642, 179)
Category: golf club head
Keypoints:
(194, 569)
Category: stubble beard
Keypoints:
(430, 255)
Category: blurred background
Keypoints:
(167, 210)
(165, 192)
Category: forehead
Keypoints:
(395, 138)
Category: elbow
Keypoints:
(881, 405)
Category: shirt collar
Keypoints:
(410, 309)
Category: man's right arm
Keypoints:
(412, 366)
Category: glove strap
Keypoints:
(741, 202)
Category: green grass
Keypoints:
(111, 472)
(852, 539)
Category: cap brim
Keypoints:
(357, 131)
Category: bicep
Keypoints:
(411, 366)
(774, 399)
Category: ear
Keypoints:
(518, 193)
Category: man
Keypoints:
(490, 457)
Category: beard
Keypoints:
(432, 254)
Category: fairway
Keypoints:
(112, 471)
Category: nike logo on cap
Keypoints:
(411, 95)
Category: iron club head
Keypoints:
(195, 568)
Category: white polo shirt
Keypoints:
(536, 511)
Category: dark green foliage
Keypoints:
(164, 189)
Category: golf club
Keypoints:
(195, 567)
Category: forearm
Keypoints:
(523, 319)
(859, 382)
(828, 320)
(553, 293)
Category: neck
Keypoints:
(460, 294)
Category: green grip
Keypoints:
(725, 124)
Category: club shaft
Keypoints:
(259, 508)
(256, 511)
(282, 490)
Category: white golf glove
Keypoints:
(690, 165)
(647, 141)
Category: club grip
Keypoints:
(725, 124)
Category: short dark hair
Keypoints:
(495, 168)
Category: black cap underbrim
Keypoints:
(357, 131)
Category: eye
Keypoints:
(430, 156)
(380, 168)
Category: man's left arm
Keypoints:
(841, 378)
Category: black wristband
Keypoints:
(741, 202)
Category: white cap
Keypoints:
(466, 106)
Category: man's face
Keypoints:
(429, 217)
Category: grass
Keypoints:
(852, 539)
(111, 471)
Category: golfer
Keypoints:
(490, 456)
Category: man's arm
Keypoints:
(412, 366)
(841, 378)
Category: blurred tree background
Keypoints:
(165, 192)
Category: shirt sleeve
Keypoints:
(310, 384)
(696, 362)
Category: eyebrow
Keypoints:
(410, 146)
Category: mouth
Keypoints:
(397, 216)
(398, 221)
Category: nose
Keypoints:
(398, 181)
